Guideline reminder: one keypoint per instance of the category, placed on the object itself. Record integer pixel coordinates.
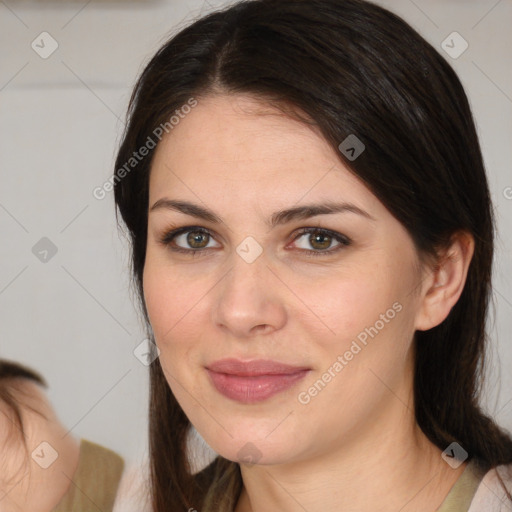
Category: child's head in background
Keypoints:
(33, 476)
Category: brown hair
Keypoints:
(354, 68)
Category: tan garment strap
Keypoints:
(461, 494)
(94, 485)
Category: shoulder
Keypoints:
(96, 479)
(490, 495)
(133, 494)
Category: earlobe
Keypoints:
(446, 282)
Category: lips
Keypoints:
(253, 381)
(254, 368)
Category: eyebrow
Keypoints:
(278, 217)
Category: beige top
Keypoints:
(461, 494)
(472, 492)
(94, 485)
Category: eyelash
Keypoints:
(169, 236)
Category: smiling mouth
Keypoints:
(255, 380)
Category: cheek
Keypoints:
(167, 304)
(342, 306)
(366, 316)
(156, 296)
(174, 309)
(166, 295)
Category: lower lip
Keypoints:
(254, 389)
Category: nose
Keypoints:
(249, 300)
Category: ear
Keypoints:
(445, 282)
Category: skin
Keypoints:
(25, 485)
(356, 440)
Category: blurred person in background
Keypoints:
(43, 468)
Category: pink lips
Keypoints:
(253, 381)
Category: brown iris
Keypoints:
(196, 236)
(320, 238)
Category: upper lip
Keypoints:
(253, 368)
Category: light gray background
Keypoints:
(72, 317)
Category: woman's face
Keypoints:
(251, 286)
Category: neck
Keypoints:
(391, 458)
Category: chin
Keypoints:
(251, 449)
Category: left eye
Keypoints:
(321, 240)
(195, 239)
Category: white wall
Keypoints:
(72, 317)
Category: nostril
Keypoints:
(262, 327)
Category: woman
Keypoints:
(43, 468)
(312, 241)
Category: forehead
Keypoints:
(240, 128)
(230, 141)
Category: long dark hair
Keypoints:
(349, 67)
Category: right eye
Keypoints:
(196, 238)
